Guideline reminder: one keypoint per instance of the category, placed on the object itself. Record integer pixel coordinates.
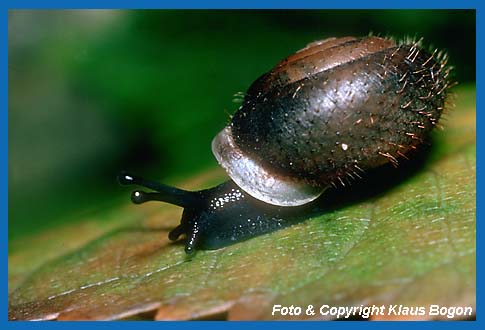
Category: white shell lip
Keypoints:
(257, 181)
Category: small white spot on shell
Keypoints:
(344, 146)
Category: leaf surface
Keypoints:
(408, 241)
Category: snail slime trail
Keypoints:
(321, 118)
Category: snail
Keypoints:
(320, 118)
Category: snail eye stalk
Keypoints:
(164, 193)
(187, 199)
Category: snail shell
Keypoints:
(329, 112)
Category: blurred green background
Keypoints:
(93, 92)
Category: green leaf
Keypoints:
(409, 242)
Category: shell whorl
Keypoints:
(329, 112)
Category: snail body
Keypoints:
(320, 118)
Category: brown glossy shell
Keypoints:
(334, 109)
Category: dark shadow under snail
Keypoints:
(322, 117)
